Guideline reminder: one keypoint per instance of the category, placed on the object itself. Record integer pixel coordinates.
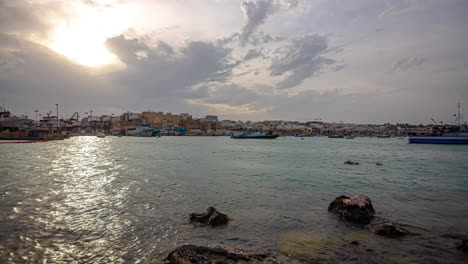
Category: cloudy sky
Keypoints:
(364, 61)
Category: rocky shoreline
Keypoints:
(356, 210)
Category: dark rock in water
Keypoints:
(356, 209)
(390, 230)
(190, 254)
(463, 246)
(211, 216)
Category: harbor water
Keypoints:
(126, 199)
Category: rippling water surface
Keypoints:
(124, 200)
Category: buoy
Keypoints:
(378, 163)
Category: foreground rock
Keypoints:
(211, 216)
(356, 209)
(391, 230)
(190, 254)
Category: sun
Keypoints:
(82, 44)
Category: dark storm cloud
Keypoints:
(299, 60)
(163, 70)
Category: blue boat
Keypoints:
(243, 134)
(444, 134)
(457, 139)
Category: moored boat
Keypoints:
(383, 136)
(242, 134)
(143, 131)
(456, 139)
(444, 134)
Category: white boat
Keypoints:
(101, 135)
(350, 137)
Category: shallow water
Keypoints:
(120, 200)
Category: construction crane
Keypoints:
(437, 123)
(75, 118)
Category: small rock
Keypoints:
(211, 216)
(390, 230)
(191, 254)
(356, 209)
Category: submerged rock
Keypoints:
(191, 254)
(390, 230)
(310, 248)
(356, 209)
(211, 216)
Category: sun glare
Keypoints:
(84, 45)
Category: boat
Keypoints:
(335, 136)
(101, 135)
(349, 137)
(383, 136)
(143, 131)
(448, 137)
(443, 134)
(243, 134)
(457, 139)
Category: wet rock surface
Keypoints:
(210, 216)
(356, 209)
(191, 254)
(391, 230)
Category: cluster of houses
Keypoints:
(185, 124)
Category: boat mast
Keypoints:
(458, 114)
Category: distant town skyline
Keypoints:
(366, 61)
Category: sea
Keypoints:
(126, 199)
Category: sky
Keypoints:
(360, 61)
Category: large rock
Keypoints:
(391, 230)
(190, 254)
(356, 209)
(211, 216)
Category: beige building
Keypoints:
(161, 120)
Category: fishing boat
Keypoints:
(446, 139)
(143, 131)
(383, 136)
(443, 134)
(243, 134)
